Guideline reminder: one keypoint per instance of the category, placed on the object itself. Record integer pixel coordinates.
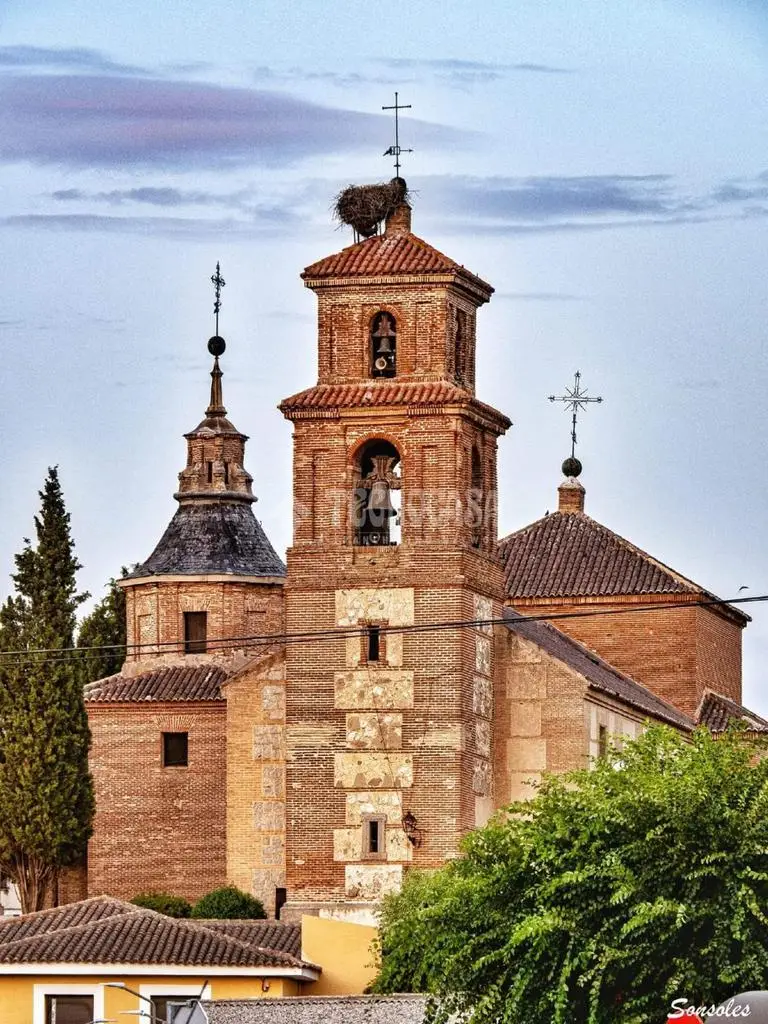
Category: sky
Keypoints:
(604, 166)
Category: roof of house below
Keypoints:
(106, 931)
(718, 712)
(169, 683)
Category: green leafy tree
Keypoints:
(229, 902)
(164, 903)
(46, 791)
(104, 631)
(612, 893)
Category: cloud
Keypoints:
(453, 65)
(20, 58)
(175, 227)
(100, 121)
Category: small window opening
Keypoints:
(374, 643)
(476, 500)
(195, 632)
(602, 740)
(383, 345)
(375, 508)
(281, 898)
(374, 837)
(175, 749)
(209, 467)
(458, 349)
(226, 474)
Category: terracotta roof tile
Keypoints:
(175, 682)
(387, 392)
(126, 934)
(569, 554)
(277, 935)
(70, 915)
(389, 255)
(598, 673)
(717, 712)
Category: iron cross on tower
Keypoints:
(395, 150)
(575, 398)
(218, 283)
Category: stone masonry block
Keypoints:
(373, 771)
(377, 688)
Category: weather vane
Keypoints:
(575, 398)
(218, 283)
(396, 150)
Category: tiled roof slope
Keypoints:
(717, 712)
(70, 915)
(387, 392)
(389, 255)
(403, 1009)
(175, 682)
(569, 554)
(106, 931)
(599, 674)
(207, 539)
(285, 938)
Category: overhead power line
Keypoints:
(342, 632)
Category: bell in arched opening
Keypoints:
(375, 511)
(383, 345)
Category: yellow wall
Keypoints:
(16, 992)
(344, 952)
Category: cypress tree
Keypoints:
(46, 791)
(104, 631)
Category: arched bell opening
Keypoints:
(376, 505)
(383, 345)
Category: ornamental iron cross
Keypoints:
(575, 398)
(395, 150)
(218, 283)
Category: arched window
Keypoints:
(476, 504)
(458, 348)
(375, 511)
(383, 345)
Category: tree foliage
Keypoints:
(46, 793)
(610, 894)
(164, 903)
(104, 630)
(229, 902)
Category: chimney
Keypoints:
(399, 221)
(571, 496)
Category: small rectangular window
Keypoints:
(195, 632)
(68, 1009)
(226, 474)
(209, 467)
(175, 749)
(374, 643)
(374, 837)
(602, 740)
(281, 897)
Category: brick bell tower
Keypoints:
(389, 721)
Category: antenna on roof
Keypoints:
(396, 150)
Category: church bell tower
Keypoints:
(393, 577)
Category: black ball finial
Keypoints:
(572, 467)
(216, 345)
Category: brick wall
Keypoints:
(676, 652)
(155, 827)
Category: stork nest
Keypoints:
(364, 207)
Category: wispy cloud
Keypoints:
(539, 297)
(101, 121)
(176, 227)
(22, 58)
(453, 65)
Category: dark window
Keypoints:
(602, 740)
(374, 637)
(210, 472)
(195, 632)
(281, 897)
(383, 345)
(374, 512)
(68, 1009)
(374, 838)
(173, 1009)
(226, 473)
(458, 349)
(175, 749)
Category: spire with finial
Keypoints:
(216, 346)
(571, 492)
